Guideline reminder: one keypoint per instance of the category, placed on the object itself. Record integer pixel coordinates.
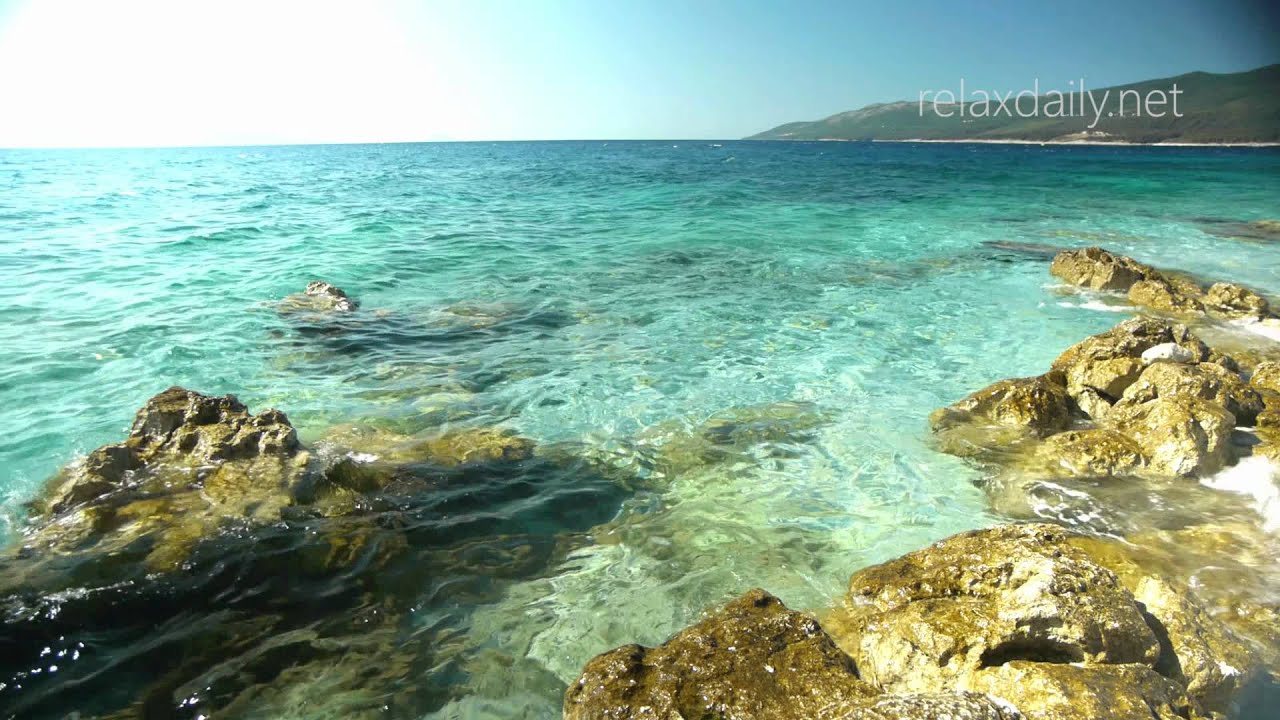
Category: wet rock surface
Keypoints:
(1163, 291)
(212, 544)
(1009, 622)
(754, 658)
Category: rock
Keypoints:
(1207, 381)
(1197, 651)
(754, 658)
(334, 296)
(1160, 294)
(933, 706)
(1003, 412)
(474, 446)
(1109, 362)
(1234, 301)
(319, 297)
(1098, 269)
(1266, 376)
(736, 435)
(932, 618)
(1052, 691)
(1096, 452)
(1092, 403)
(190, 462)
(197, 437)
(1180, 435)
(1168, 352)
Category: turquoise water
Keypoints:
(611, 295)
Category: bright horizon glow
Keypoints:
(86, 73)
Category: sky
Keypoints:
(82, 73)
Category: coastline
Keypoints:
(1125, 143)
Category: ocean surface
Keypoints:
(813, 302)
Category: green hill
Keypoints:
(1232, 108)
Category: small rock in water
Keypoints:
(341, 301)
(1168, 352)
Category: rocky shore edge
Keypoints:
(1022, 620)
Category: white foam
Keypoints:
(1267, 329)
(1256, 477)
(1096, 305)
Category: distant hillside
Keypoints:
(1231, 108)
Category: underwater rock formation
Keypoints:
(1013, 621)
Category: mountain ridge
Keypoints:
(1229, 108)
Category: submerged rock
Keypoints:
(752, 659)
(319, 297)
(933, 706)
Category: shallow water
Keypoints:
(609, 296)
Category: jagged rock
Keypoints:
(752, 659)
(1096, 452)
(1168, 352)
(1179, 434)
(1098, 269)
(198, 437)
(1158, 293)
(1234, 301)
(190, 462)
(1196, 650)
(319, 297)
(1091, 403)
(933, 706)
(1002, 413)
(1109, 362)
(1055, 691)
(929, 619)
(1266, 376)
(1207, 381)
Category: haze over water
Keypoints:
(612, 296)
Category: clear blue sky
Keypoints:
(165, 72)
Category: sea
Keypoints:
(744, 338)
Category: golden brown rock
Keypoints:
(1180, 435)
(1158, 293)
(1054, 691)
(930, 618)
(1266, 376)
(1096, 452)
(1098, 269)
(1207, 381)
(752, 659)
(1002, 413)
(1235, 301)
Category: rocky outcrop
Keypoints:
(1165, 292)
(1012, 621)
(934, 618)
(190, 462)
(1266, 377)
(1146, 397)
(1181, 435)
(755, 658)
(1003, 413)
(1098, 269)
